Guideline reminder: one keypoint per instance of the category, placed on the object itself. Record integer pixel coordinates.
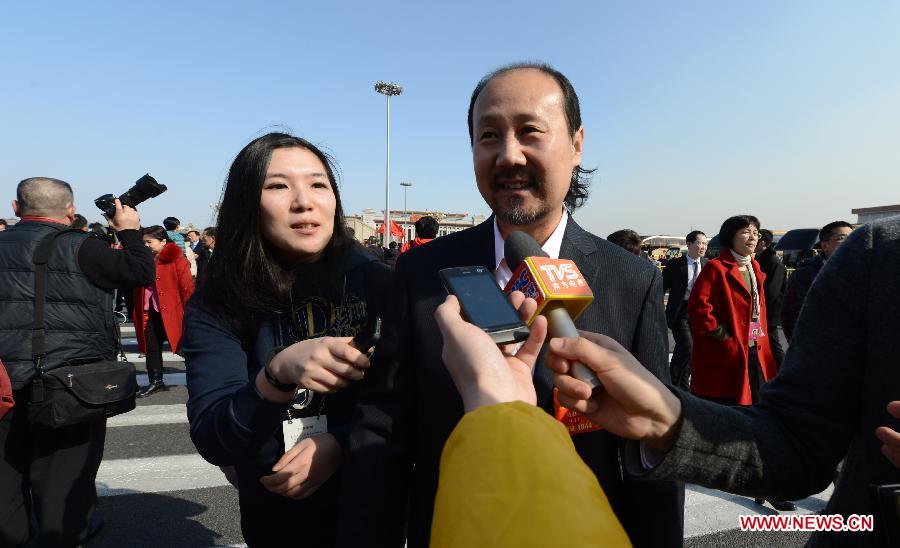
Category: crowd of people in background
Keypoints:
(426, 229)
(778, 303)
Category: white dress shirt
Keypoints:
(551, 247)
(692, 264)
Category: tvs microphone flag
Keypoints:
(546, 280)
(560, 290)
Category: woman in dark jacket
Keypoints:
(158, 309)
(268, 337)
(732, 357)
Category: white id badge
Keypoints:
(298, 429)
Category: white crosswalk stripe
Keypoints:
(150, 414)
(168, 357)
(157, 475)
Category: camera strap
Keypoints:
(40, 258)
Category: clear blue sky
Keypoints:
(693, 111)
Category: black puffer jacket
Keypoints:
(78, 316)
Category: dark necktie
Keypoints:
(693, 277)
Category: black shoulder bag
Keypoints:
(75, 392)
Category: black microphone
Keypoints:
(516, 248)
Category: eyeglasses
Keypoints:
(748, 232)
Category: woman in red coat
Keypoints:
(731, 357)
(159, 308)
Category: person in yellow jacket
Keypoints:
(509, 473)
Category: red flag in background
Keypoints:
(396, 231)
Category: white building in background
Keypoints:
(369, 222)
(868, 214)
(361, 230)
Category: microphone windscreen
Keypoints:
(519, 245)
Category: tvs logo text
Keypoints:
(560, 273)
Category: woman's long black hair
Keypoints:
(246, 275)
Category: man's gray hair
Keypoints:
(44, 196)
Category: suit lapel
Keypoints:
(479, 250)
(576, 246)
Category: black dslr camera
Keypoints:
(145, 188)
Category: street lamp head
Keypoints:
(388, 88)
(405, 183)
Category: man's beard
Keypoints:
(514, 212)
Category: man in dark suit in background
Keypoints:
(831, 237)
(193, 240)
(776, 279)
(678, 279)
(204, 251)
(527, 138)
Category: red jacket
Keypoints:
(415, 243)
(6, 395)
(720, 297)
(174, 286)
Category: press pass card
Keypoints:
(300, 429)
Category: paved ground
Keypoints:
(154, 488)
(155, 491)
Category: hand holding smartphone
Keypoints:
(368, 337)
(484, 304)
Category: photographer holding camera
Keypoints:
(44, 470)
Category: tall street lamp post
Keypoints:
(388, 89)
(405, 185)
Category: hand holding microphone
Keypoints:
(560, 290)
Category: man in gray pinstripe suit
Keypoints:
(527, 137)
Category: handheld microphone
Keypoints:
(557, 285)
